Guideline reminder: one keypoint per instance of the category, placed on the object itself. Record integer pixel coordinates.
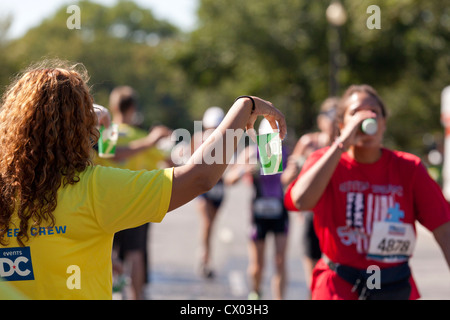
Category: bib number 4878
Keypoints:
(390, 245)
(391, 242)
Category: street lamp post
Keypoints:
(336, 17)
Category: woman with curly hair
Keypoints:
(58, 212)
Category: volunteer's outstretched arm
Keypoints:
(242, 166)
(198, 175)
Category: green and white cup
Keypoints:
(270, 154)
(108, 141)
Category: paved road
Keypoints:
(429, 267)
(174, 252)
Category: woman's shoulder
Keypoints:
(403, 157)
(405, 163)
(97, 170)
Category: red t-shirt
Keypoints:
(359, 196)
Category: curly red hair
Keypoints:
(47, 130)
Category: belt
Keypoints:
(394, 277)
(350, 274)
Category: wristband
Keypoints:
(253, 102)
(339, 143)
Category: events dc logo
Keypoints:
(15, 264)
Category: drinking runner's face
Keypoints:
(362, 101)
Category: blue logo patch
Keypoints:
(15, 264)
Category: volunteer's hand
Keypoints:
(272, 114)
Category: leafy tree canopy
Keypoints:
(279, 50)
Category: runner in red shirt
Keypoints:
(366, 200)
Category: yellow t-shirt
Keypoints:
(72, 260)
(148, 159)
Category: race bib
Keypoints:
(391, 242)
(267, 208)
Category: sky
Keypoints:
(30, 13)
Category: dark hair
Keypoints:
(342, 106)
(328, 107)
(122, 99)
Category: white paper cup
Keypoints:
(270, 154)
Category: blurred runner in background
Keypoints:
(136, 150)
(268, 216)
(209, 203)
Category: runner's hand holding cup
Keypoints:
(352, 131)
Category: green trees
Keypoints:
(278, 50)
(121, 45)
